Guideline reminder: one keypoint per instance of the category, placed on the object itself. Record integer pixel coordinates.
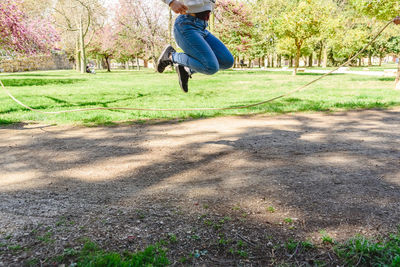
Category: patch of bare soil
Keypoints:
(222, 192)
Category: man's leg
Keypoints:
(224, 56)
(198, 55)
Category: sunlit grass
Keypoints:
(60, 90)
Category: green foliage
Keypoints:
(291, 246)
(238, 252)
(369, 252)
(382, 9)
(173, 238)
(326, 238)
(15, 247)
(288, 220)
(234, 27)
(393, 45)
(46, 238)
(271, 209)
(302, 20)
(93, 256)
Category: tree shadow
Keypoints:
(338, 173)
(372, 78)
(66, 104)
(317, 74)
(32, 75)
(38, 82)
(387, 79)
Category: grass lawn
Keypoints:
(383, 67)
(60, 90)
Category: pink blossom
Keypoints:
(21, 34)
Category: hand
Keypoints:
(178, 7)
(397, 20)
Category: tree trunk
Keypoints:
(146, 63)
(320, 55)
(398, 77)
(291, 62)
(325, 52)
(272, 60)
(279, 61)
(259, 62)
(137, 63)
(380, 61)
(369, 60)
(77, 55)
(127, 65)
(82, 43)
(108, 63)
(297, 60)
(170, 27)
(359, 62)
(310, 60)
(268, 62)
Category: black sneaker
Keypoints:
(184, 76)
(164, 60)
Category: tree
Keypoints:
(349, 39)
(383, 10)
(81, 17)
(22, 34)
(234, 26)
(302, 20)
(104, 44)
(37, 8)
(145, 23)
(128, 47)
(265, 14)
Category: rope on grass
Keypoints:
(200, 109)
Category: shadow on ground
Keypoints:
(38, 82)
(335, 172)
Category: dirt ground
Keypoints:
(232, 190)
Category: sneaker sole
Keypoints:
(180, 80)
(161, 56)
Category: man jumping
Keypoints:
(203, 52)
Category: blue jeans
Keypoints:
(204, 53)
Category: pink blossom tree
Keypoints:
(20, 34)
(128, 48)
(145, 22)
(104, 44)
(234, 26)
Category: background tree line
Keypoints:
(268, 31)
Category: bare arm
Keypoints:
(176, 6)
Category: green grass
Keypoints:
(60, 90)
(361, 251)
(363, 68)
(92, 256)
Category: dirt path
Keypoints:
(125, 187)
